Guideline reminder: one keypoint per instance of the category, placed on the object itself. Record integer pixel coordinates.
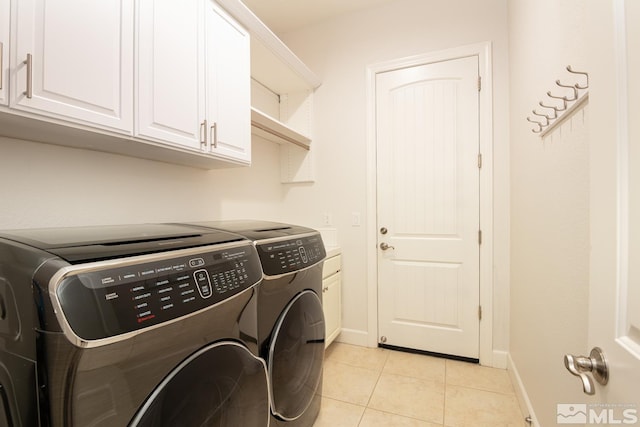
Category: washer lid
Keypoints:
(84, 244)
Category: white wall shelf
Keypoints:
(274, 130)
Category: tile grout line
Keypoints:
(444, 398)
(374, 388)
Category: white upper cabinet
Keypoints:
(193, 78)
(73, 60)
(68, 78)
(5, 18)
(170, 72)
(228, 86)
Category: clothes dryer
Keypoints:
(145, 325)
(291, 328)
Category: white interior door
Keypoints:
(427, 136)
(614, 314)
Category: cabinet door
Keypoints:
(170, 71)
(81, 66)
(4, 50)
(332, 306)
(228, 81)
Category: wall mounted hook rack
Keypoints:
(577, 97)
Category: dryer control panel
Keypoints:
(287, 255)
(102, 300)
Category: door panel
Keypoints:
(171, 100)
(428, 200)
(82, 61)
(614, 312)
(229, 86)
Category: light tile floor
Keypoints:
(368, 387)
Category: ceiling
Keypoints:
(282, 16)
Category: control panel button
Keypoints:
(303, 254)
(203, 282)
(196, 262)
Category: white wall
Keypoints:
(339, 51)
(45, 185)
(549, 205)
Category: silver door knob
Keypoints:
(580, 366)
(385, 246)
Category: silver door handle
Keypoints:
(29, 63)
(385, 246)
(214, 134)
(1, 63)
(203, 139)
(580, 366)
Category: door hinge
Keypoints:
(479, 161)
(479, 83)
(479, 312)
(479, 237)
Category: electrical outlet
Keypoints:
(326, 219)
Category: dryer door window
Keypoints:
(222, 384)
(295, 356)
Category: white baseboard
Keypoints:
(500, 359)
(521, 393)
(353, 336)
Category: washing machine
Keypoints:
(291, 328)
(142, 325)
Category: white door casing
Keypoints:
(427, 126)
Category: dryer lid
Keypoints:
(84, 244)
(257, 230)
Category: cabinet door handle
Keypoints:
(1, 63)
(203, 139)
(214, 136)
(29, 62)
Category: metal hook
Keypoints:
(551, 107)
(562, 98)
(578, 86)
(536, 122)
(546, 118)
(572, 87)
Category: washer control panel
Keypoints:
(102, 303)
(287, 255)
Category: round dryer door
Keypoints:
(295, 356)
(221, 385)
